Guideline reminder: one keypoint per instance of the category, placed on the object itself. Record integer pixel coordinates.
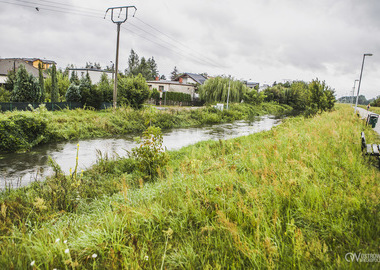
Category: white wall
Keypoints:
(95, 75)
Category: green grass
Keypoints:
(299, 196)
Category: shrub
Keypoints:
(150, 155)
(133, 91)
(21, 132)
(73, 93)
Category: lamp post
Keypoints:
(353, 91)
(360, 79)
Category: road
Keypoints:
(364, 113)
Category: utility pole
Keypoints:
(360, 79)
(353, 92)
(118, 22)
(229, 87)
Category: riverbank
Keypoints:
(298, 196)
(22, 131)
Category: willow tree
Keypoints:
(216, 90)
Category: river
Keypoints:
(18, 169)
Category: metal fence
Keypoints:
(28, 106)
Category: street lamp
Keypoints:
(353, 91)
(360, 79)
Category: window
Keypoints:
(161, 88)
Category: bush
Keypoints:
(73, 93)
(150, 155)
(21, 132)
(5, 95)
(175, 96)
(133, 91)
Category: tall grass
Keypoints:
(298, 196)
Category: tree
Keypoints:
(133, 91)
(153, 68)
(9, 82)
(93, 65)
(5, 95)
(26, 87)
(144, 69)
(74, 78)
(73, 93)
(41, 82)
(105, 88)
(133, 64)
(174, 74)
(54, 85)
(216, 89)
(162, 77)
(85, 88)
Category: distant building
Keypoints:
(95, 74)
(36, 61)
(191, 78)
(30, 64)
(185, 83)
(252, 84)
(172, 86)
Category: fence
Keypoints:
(26, 106)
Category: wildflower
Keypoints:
(67, 250)
(32, 263)
(94, 255)
(146, 257)
(57, 240)
(78, 145)
(65, 242)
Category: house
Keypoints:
(252, 84)
(30, 64)
(36, 61)
(172, 86)
(191, 78)
(95, 74)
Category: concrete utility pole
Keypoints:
(118, 21)
(229, 87)
(353, 92)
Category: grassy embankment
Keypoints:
(24, 130)
(298, 196)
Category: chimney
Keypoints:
(180, 80)
(157, 78)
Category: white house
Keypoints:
(95, 74)
(172, 86)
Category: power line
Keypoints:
(96, 14)
(178, 48)
(48, 9)
(175, 40)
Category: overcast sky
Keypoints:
(257, 40)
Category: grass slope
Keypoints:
(298, 196)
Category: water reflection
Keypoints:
(21, 168)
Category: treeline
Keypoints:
(310, 98)
(23, 87)
(352, 99)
